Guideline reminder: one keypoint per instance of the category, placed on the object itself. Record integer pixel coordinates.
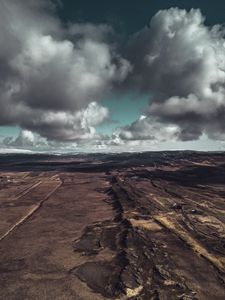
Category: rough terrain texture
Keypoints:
(129, 226)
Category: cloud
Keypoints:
(61, 130)
(52, 76)
(146, 128)
(25, 139)
(67, 126)
(181, 62)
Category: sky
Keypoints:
(112, 76)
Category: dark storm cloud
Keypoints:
(182, 62)
(50, 77)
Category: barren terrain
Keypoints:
(129, 226)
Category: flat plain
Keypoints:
(113, 226)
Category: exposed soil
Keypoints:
(132, 226)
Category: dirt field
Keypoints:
(113, 227)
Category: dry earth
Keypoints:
(148, 226)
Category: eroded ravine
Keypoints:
(147, 253)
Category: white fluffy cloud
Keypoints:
(52, 77)
(67, 126)
(182, 62)
(146, 128)
(25, 139)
